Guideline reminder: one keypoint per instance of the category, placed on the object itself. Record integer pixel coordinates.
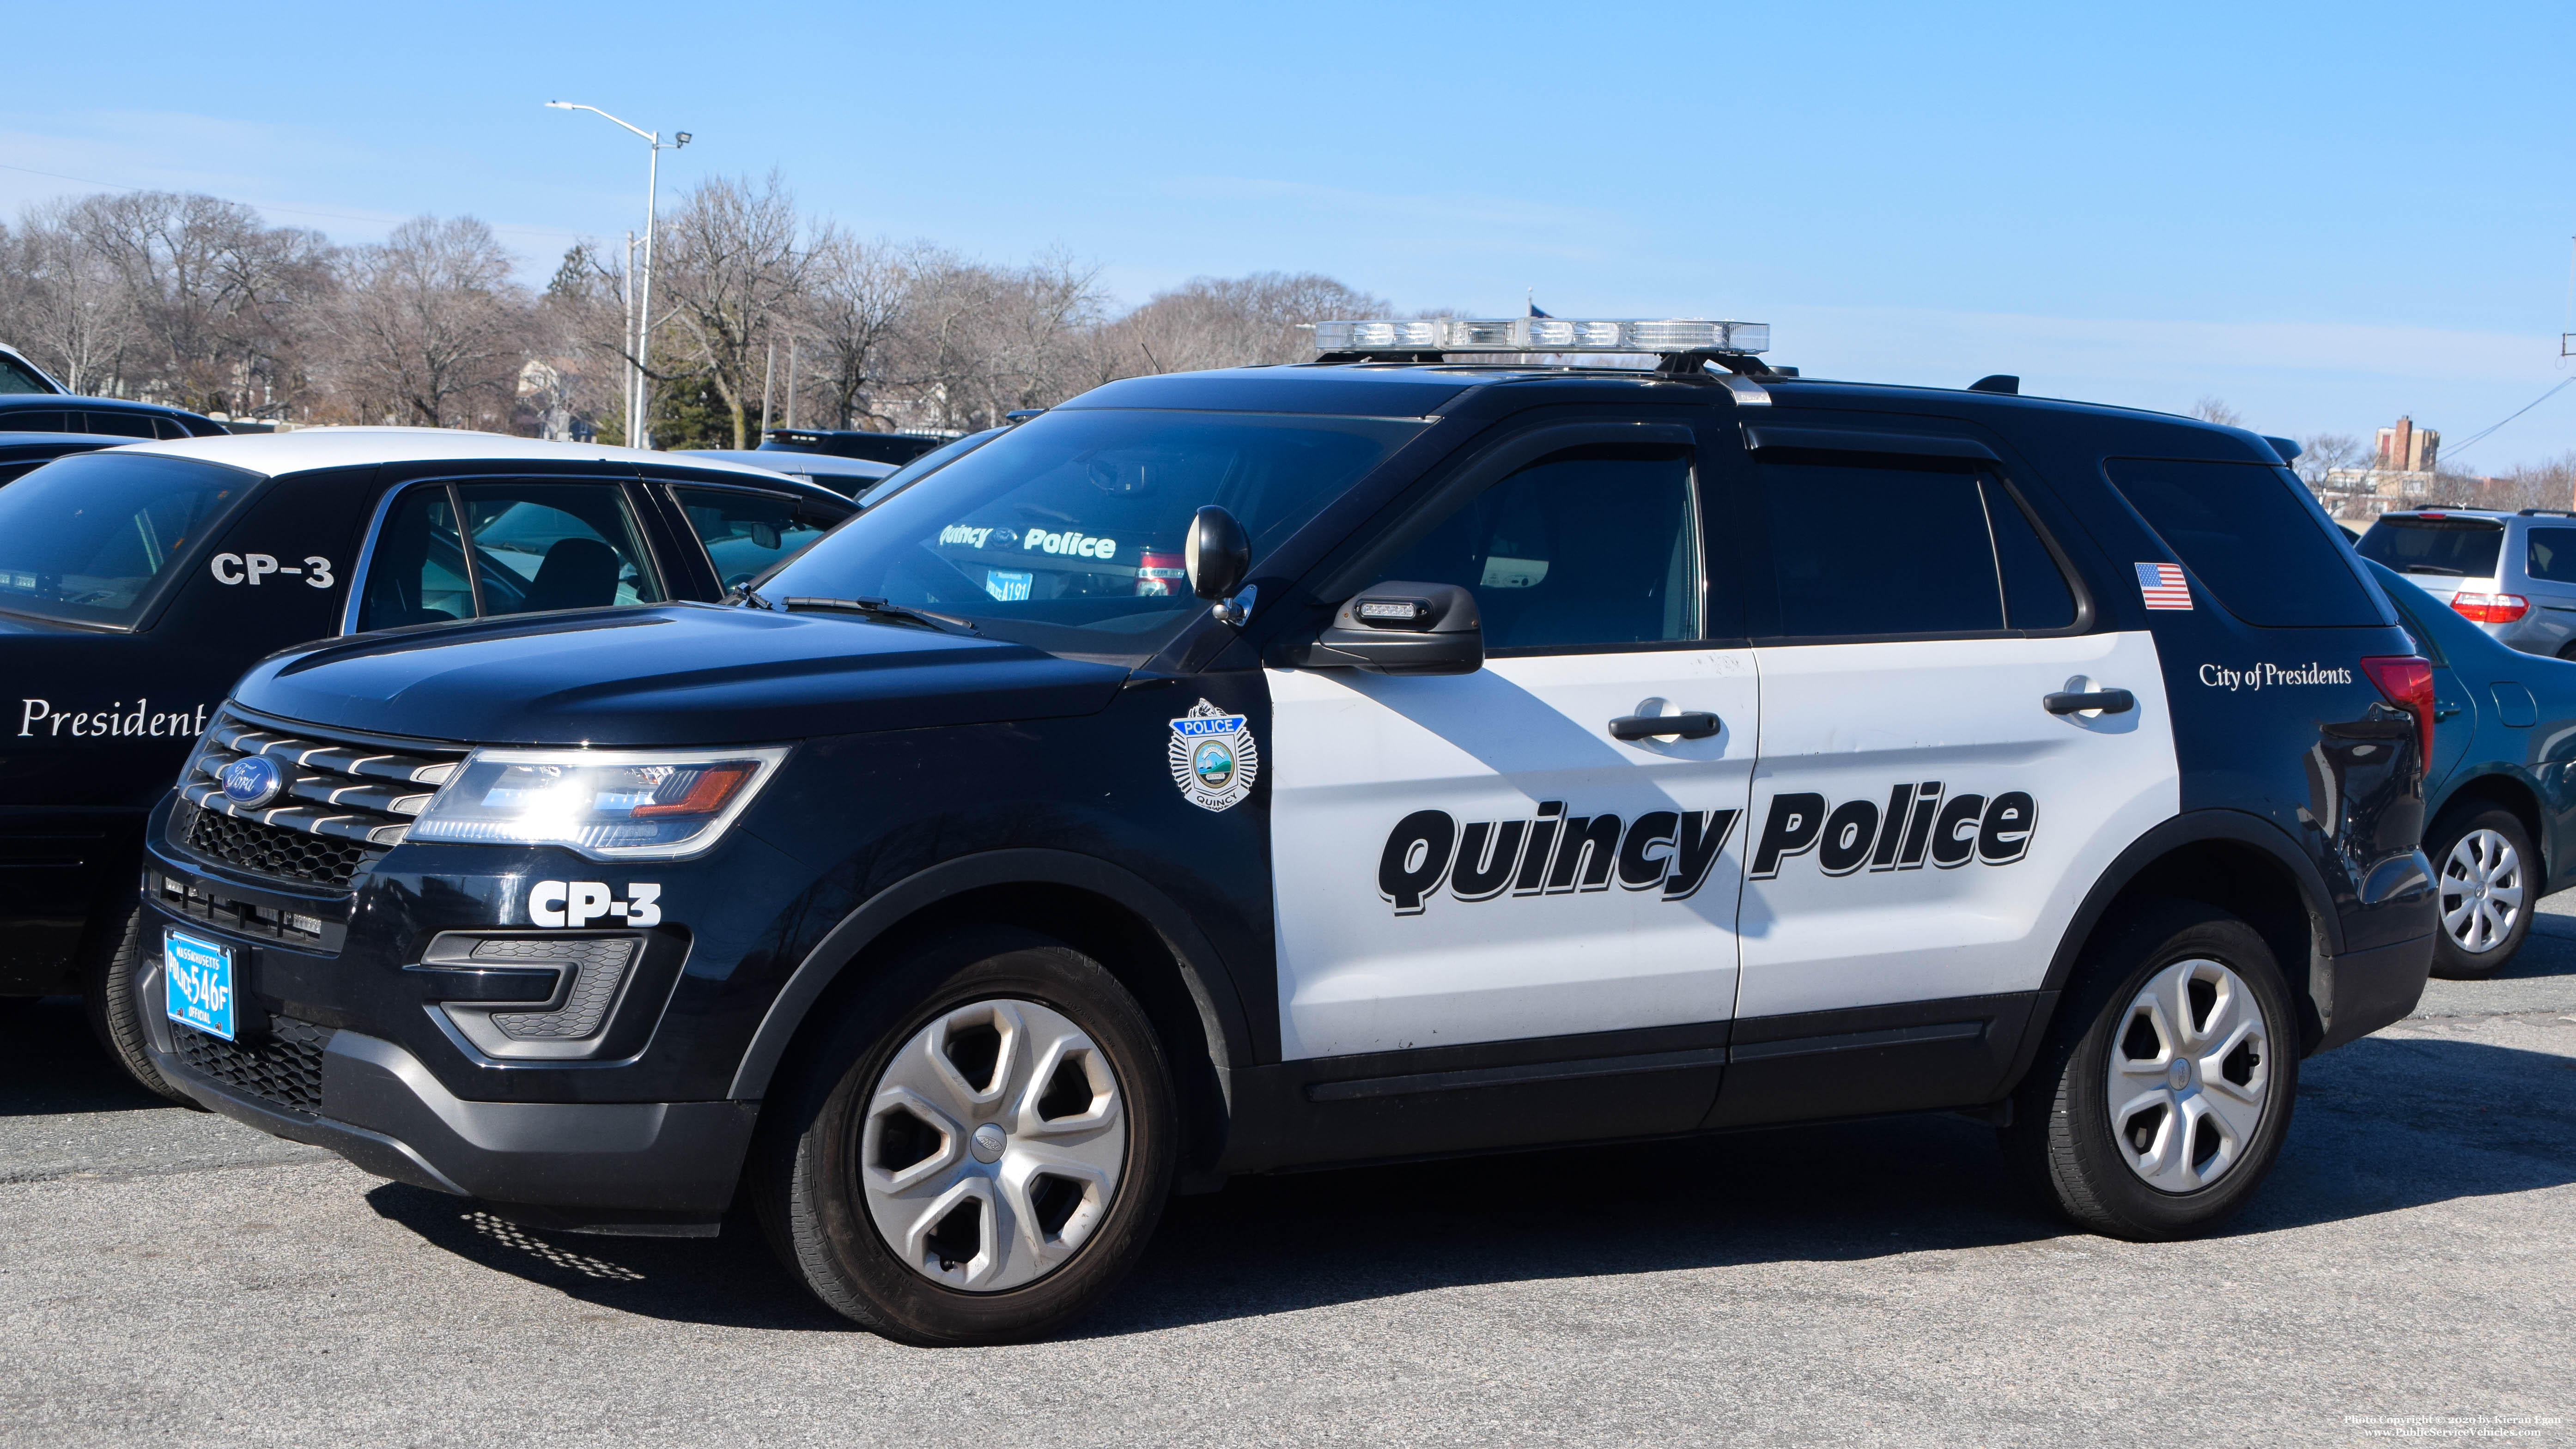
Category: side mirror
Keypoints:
(1217, 553)
(1403, 628)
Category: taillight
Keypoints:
(2491, 608)
(1161, 574)
(2408, 682)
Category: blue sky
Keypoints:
(2326, 215)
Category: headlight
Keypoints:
(609, 804)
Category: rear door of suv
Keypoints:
(1924, 821)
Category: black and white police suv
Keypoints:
(1570, 754)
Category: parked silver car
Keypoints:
(2512, 574)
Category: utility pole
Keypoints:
(639, 432)
(768, 371)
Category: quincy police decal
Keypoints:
(1214, 760)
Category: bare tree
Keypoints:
(2322, 453)
(733, 265)
(2216, 410)
(68, 308)
(857, 302)
(1230, 322)
(225, 301)
(433, 330)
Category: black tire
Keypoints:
(2063, 1140)
(112, 962)
(2452, 956)
(806, 1177)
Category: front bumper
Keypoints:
(2359, 992)
(663, 1168)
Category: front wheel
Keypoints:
(107, 996)
(2165, 1090)
(2482, 860)
(980, 1151)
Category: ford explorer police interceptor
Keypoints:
(1444, 746)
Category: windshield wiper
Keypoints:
(2433, 569)
(881, 609)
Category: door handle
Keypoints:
(2109, 701)
(2444, 711)
(1690, 724)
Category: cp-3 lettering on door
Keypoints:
(1554, 854)
(580, 902)
(1918, 824)
(250, 568)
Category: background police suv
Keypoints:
(1571, 754)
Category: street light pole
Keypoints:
(638, 433)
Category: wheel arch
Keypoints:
(2512, 793)
(2240, 863)
(1133, 929)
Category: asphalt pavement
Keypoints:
(170, 1277)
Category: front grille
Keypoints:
(283, 1071)
(193, 898)
(274, 850)
(343, 804)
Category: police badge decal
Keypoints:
(1214, 760)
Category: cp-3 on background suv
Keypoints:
(1568, 755)
(137, 583)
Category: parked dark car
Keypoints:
(2498, 793)
(852, 443)
(33, 412)
(847, 476)
(21, 453)
(136, 584)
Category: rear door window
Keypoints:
(2453, 547)
(118, 425)
(2550, 554)
(479, 550)
(2254, 538)
(1878, 548)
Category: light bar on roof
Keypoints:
(1543, 334)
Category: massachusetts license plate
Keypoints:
(198, 982)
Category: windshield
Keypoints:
(95, 538)
(2462, 547)
(1066, 532)
(930, 462)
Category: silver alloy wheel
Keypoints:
(993, 1145)
(2481, 891)
(2189, 1072)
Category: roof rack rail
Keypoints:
(2547, 512)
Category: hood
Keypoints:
(674, 674)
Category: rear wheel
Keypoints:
(2482, 861)
(2164, 1093)
(107, 996)
(981, 1149)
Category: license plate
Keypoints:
(197, 978)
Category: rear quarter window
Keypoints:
(2253, 538)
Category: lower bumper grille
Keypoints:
(283, 1071)
(271, 850)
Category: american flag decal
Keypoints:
(2163, 587)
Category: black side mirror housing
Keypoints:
(1402, 628)
(1216, 554)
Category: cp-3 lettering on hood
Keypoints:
(674, 674)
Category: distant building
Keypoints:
(2407, 448)
(2402, 472)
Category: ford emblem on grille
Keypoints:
(253, 780)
